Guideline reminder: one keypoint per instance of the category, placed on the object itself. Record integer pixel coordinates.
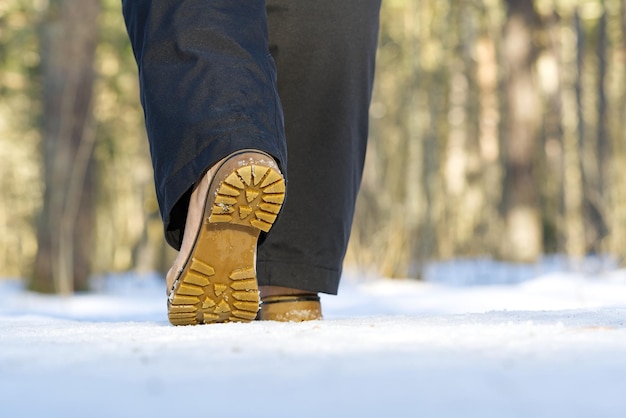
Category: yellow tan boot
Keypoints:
(213, 279)
(291, 308)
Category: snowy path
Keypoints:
(549, 347)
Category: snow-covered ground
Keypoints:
(477, 339)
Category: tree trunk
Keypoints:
(573, 174)
(523, 232)
(551, 71)
(595, 189)
(68, 42)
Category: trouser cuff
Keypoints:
(298, 276)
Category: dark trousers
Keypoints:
(292, 78)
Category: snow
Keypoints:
(476, 339)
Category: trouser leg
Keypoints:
(325, 52)
(208, 89)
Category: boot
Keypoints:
(288, 305)
(213, 279)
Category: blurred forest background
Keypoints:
(496, 130)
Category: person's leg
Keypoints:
(325, 52)
(208, 89)
(209, 94)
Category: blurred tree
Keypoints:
(20, 176)
(523, 231)
(68, 40)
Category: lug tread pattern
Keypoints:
(198, 301)
(251, 195)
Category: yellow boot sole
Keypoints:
(218, 281)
